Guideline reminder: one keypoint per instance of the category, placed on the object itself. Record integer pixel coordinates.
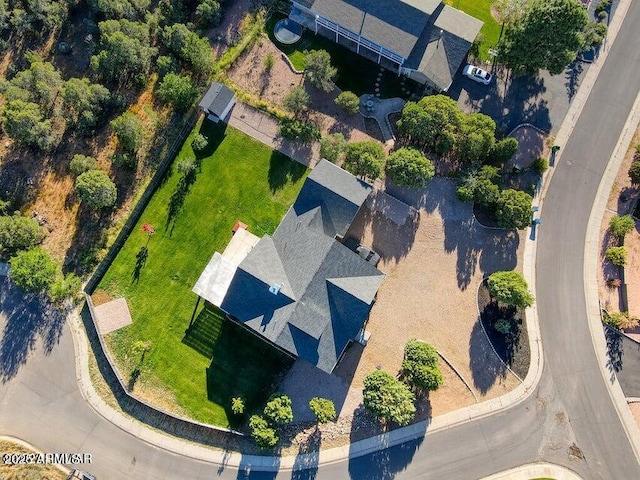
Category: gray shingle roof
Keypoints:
(326, 289)
(216, 99)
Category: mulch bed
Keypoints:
(512, 348)
(485, 215)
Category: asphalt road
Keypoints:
(569, 420)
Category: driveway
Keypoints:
(542, 101)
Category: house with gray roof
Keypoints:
(425, 40)
(217, 102)
(301, 289)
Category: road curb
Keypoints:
(535, 470)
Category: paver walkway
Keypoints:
(264, 128)
(380, 109)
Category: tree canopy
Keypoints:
(510, 288)
(409, 167)
(19, 233)
(476, 137)
(296, 101)
(278, 409)
(129, 130)
(364, 159)
(387, 398)
(23, 121)
(40, 83)
(513, 209)
(262, 433)
(323, 409)
(420, 366)
(189, 47)
(33, 270)
(547, 36)
(319, 71)
(130, 9)
(96, 189)
(348, 101)
(177, 90)
(85, 103)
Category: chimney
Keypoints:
(275, 288)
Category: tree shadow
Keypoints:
(305, 465)
(283, 171)
(133, 378)
(87, 243)
(486, 367)
(28, 320)
(614, 351)
(572, 75)
(141, 260)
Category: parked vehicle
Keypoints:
(477, 74)
(78, 475)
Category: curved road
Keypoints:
(569, 420)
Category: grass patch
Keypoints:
(235, 178)
(355, 73)
(481, 9)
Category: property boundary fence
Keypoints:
(115, 248)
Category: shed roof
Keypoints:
(217, 99)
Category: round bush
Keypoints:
(503, 326)
(617, 256)
(81, 163)
(96, 189)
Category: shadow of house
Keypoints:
(624, 361)
(282, 171)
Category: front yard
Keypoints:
(481, 9)
(237, 179)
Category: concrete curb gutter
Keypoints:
(535, 470)
(591, 249)
(28, 446)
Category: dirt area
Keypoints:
(621, 201)
(250, 74)
(635, 411)
(225, 34)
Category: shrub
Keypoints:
(81, 163)
(602, 15)
(408, 167)
(323, 409)
(486, 193)
(422, 377)
(464, 193)
(318, 69)
(348, 101)
(65, 287)
(420, 352)
(620, 320)
(268, 62)
(617, 256)
(96, 189)
(298, 131)
(503, 326)
(388, 399)
(199, 143)
(262, 433)
(33, 270)
(364, 159)
(125, 160)
(296, 101)
(208, 13)
(540, 165)
(634, 172)
(510, 288)
(620, 225)
(614, 282)
(278, 409)
(237, 406)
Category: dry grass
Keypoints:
(26, 472)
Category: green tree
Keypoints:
(420, 366)
(332, 147)
(96, 189)
(388, 399)
(23, 122)
(348, 101)
(130, 9)
(433, 123)
(594, 34)
(296, 101)
(617, 256)
(514, 209)
(237, 405)
(199, 143)
(323, 409)
(510, 288)
(65, 286)
(19, 233)
(318, 69)
(620, 225)
(177, 90)
(129, 131)
(420, 352)
(486, 193)
(548, 37)
(634, 172)
(409, 167)
(81, 163)
(299, 131)
(510, 11)
(84, 102)
(125, 52)
(364, 159)
(190, 48)
(503, 150)
(278, 409)
(476, 137)
(41, 80)
(262, 433)
(33, 270)
(208, 13)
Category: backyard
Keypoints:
(235, 178)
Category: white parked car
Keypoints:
(477, 74)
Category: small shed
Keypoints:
(217, 102)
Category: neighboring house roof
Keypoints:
(217, 99)
(300, 288)
(410, 28)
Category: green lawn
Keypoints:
(481, 9)
(355, 73)
(238, 178)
